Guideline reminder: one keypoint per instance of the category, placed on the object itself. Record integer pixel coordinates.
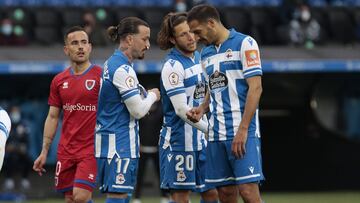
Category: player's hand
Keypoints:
(157, 93)
(39, 164)
(195, 114)
(239, 142)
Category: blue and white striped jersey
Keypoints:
(226, 67)
(117, 132)
(181, 74)
(5, 122)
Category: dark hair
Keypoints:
(170, 21)
(202, 13)
(73, 29)
(127, 26)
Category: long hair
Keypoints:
(170, 21)
(127, 26)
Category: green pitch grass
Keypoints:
(321, 197)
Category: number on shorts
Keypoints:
(189, 162)
(58, 168)
(125, 162)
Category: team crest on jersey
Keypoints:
(65, 85)
(181, 177)
(199, 92)
(252, 58)
(120, 179)
(89, 84)
(217, 82)
(130, 82)
(173, 78)
(228, 54)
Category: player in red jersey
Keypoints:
(75, 92)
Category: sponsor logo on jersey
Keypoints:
(173, 78)
(120, 179)
(130, 82)
(199, 92)
(89, 84)
(65, 85)
(181, 177)
(79, 107)
(252, 58)
(217, 82)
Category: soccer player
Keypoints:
(75, 92)
(122, 101)
(231, 63)
(182, 142)
(5, 126)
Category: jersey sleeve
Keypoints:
(5, 122)
(125, 81)
(250, 57)
(54, 97)
(172, 76)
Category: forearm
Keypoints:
(49, 133)
(138, 107)
(206, 103)
(251, 104)
(181, 107)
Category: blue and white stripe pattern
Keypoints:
(226, 69)
(181, 75)
(117, 132)
(5, 123)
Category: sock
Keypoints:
(115, 200)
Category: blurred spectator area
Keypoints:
(43, 22)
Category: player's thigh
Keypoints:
(117, 175)
(86, 171)
(64, 175)
(248, 169)
(179, 171)
(219, 171)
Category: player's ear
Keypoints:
(66, 50)
(211, 22)
(172, 40)
(129, 39)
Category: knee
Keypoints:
(81, 198)
(227, 194)
(249, 192)
(210, 195)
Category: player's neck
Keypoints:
(79, 68)
(126, 51)
(223, 35)
(189, 54)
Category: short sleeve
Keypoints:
(5, 123)
(54, 97)
(250, 58)
(126, 82)
(172, 76)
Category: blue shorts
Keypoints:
(225, 169)
(117, 174)
(183, 170)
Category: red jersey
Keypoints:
(77, 96)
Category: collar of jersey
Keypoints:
(122, 55)
(87, 70)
